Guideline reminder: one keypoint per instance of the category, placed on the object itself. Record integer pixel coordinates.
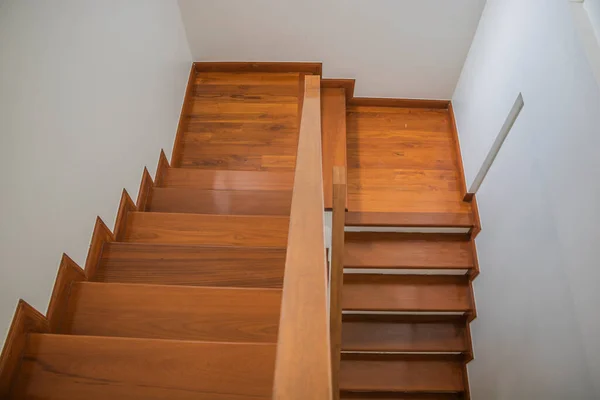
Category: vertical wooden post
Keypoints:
(337, 273)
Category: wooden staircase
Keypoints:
(212, 284)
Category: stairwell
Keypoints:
(183, 298)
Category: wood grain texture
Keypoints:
(126, 206)
(405, 103)
(245, 121)
(26, 320)
(401, 396)
(61, 367)
(228, 180)
(401, 250)
(226, 230)
(144, 190)
(337, 272)
(185, 112)
(333, 126)
(231, 202)
(302, 374)
(402, 160)
(404, 333)
(406, 293)
(174, 312)
(346, 84)
(161, 168)
(68, 273)
(410, 219)
(100, 236)
(192, 265)
(272, 67)
(402, 373)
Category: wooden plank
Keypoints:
(226, 230)
(333, 123)
(402, 373)
(100, 236)
(192, 265)
(126, 206)
(270, 162)
(406, 293)
(161, 168)
(405, 103)
(337, 272)
(302, 374)
(404, 333)
(185, 111)
(68, 273)
(174, 312)
(346, 84)
(401, 396)
(402, 250)
(63, 367)
(409, 219)
(232, 202)
(26, 320)
(314, 68)
(229, 180)
(144, 190)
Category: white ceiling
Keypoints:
(394, 48)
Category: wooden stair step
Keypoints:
(400, 396)
(191, 265)
(228, 180)
(230, 202)
(460, 221)
(236, 162)
(64, 367)
(406, 293)
(407, 250)
(226, 230)
(404, 333)
(173, 312)
(407, 373)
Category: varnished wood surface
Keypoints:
(26, 320)
(402, 160)
(400, 250)
(144, 190)
(161, 168)
(428, 293)
(231, 202)
(63, 367)
(228, 180)
(226, 230)
(242, 121)
(404, 333)
(346, 84)
(100, 236)
(191, 265)
(68, 273)
(402, 373)
(333, 123)
(126, 206)
(406, 103)
(337, 271)
(411, 219)
(185, 112)
(174, 312)
(304, 324)
(313, 68)
(401, 396)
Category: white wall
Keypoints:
(90, 91)
(537, 334)
(394, 48)
(593, 9)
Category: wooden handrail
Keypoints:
(303, 364)
(337, 273)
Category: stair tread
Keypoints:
(374, 292)
(192, 265)
(61, 367)
(401, 250)
(173, 312)
(410, 219)
(228, 180)
(234, 230)
(404, 333)
(400, 396)
(229, 202)
(402, 373)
